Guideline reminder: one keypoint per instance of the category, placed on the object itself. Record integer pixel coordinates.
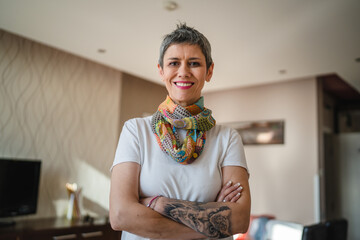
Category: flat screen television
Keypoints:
(19, 186)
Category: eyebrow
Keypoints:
(175, 58)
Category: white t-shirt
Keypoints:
(199, 181)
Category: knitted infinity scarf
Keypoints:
(195, 118)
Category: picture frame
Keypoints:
(260, 132)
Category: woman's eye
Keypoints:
(194, 64)
(173, 63)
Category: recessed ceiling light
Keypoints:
(170, 5)
(282, 71)
(101, 50)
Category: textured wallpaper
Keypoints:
(64, 110)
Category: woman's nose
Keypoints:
(184, 71)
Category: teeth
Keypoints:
(183, 84)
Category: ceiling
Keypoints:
(253, 41)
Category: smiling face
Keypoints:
(184, 73)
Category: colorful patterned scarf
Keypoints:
(195, 118)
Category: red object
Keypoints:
(153, 199)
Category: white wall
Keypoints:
(282, 176)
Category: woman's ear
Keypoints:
(161, 71)
(209, 72)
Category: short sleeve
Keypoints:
(128, 149)
(235, 155)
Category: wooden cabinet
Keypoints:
(59, 229)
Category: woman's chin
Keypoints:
(184, 101)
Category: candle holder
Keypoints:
(74, 192)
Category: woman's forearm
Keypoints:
(213, 219)
(145, 222)
(209, 219)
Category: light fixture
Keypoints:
(170, 5)
(101, 50)
(282, 71)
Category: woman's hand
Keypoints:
(230, 192)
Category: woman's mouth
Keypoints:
(184, 85)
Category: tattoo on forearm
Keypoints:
(212, 221)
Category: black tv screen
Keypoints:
(19, 186)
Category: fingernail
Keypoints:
(229, 183)
(238, 194)
(238, 184)
(240, 188)
(224, 200)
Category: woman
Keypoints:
(178, 175)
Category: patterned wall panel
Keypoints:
(63, 110)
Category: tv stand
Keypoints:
(6, 223)
(59, 228)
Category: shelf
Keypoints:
(59, 229)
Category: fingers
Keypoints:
(230, 192)
(235, 194)
(222, 194)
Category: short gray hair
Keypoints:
(188, 35)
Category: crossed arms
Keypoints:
(173, 218)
